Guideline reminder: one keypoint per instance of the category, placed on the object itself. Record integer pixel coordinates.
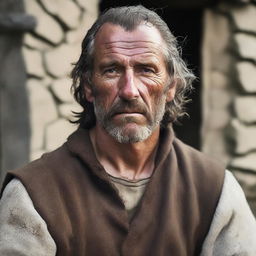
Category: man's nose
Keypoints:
(128, 89)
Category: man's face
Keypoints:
(130, 83)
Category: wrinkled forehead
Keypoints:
(144, 36)
(146, 32)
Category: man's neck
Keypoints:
(131, 161)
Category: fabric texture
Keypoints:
(131, 192)
(232, 232)
(73, 194)
(22, 230)
(233, 229)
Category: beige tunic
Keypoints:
(131, 192)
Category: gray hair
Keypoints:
(129, 17)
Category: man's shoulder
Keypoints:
(47, 162)
(186, 151)
(60, 158)
(199, 165)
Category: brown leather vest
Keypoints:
(85, 215)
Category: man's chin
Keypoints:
(131, 133)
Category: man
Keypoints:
(122, 184)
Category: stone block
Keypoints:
(246, 45)
(216, 94)
(42, 112)
(66, 10)
(61, 89)
(58, 61)
(248, 182)
(247, 76)
(214, 145)
(66, 110)
(245, 18)
(245, 137)
(77, 35)
(34, 43)
(33, 62)
(47, 81)
(57, 133)
(215, 52)
(45, 21)
(247, 162)
(245, 108)
(91, 6)
(219, 119)
(218, 79)
(222, 95)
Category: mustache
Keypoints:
(133, 106)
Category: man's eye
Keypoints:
(110, 71)
(147, 70)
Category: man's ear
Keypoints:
(88, 92)
(171, 91)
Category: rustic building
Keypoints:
(35, 86)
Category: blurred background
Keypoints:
(40, 39)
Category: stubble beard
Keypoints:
(121, 133)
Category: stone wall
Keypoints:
(229, 90)
(48, 52)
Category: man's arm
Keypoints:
(233, 229)
(22, 230)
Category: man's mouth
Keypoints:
(129, 112)
(131, 109)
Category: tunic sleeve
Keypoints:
(22, 230)
(233, 229)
